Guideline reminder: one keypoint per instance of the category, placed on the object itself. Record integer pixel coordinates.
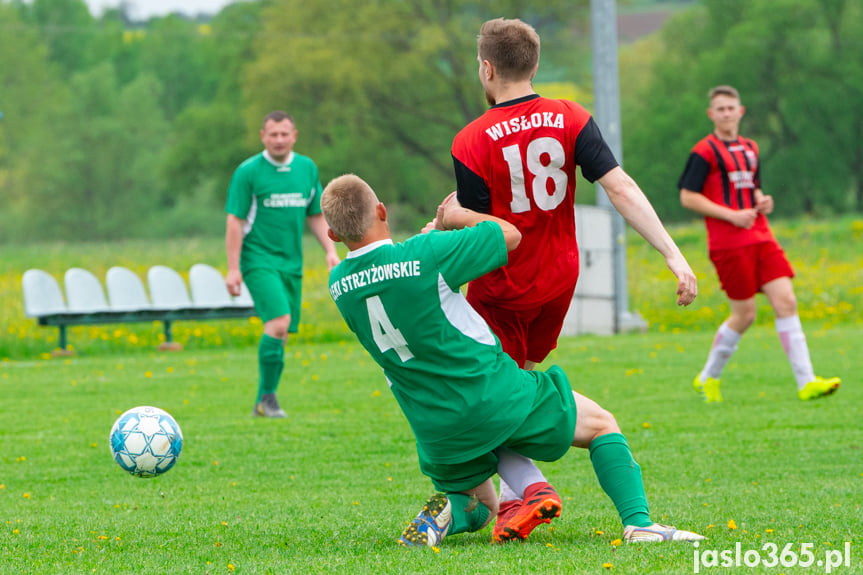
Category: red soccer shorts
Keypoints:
(742, 271)
(526, 334)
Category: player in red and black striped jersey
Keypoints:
(517, 162)
(722, 182)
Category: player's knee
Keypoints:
(742, 319)
(278, 327)
(606, 423)
(493, 507)
(786, 305)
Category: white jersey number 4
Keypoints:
(542, 173)
(386, 335)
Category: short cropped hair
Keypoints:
(723, 90)
(348, 204)
(511, 45)
(278, 116)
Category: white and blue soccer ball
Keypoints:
(146, 441)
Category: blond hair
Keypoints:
(348, 204)
(511, 45)
(723, 90)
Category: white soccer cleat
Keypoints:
(658, 532)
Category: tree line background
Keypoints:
(114, 128)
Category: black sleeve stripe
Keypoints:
(694, 174)
(472, 190)
(592, 153)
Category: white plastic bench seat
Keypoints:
(126, 290)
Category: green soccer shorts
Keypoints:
(545, 435)
(275, 294)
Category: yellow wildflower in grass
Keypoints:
(608, 565)
(731, 524)
(646, 425)
(26, 496)
(616, 542)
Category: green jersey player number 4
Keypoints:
(404, 304)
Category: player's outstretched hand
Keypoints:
(687, 285)
(233, 281)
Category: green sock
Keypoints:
(468, 513)
(620, 477)
(271, 361)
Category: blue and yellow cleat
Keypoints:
(709, 389)
(819, 387)
(431, 525)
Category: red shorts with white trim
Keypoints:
(526, 334)
(742, 271)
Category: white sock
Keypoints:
(516, 473)
(724, 345)
(506, 493)
(794, 343)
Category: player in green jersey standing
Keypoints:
(462, 395)
(271, 195)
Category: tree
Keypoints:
(68, 29)
(171, 50)
(97, 180)
(30, 92)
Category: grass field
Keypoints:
(330, 489)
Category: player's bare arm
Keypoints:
(319, 228)
(700, 204)
(233, 246)
(452, 216)
(633, 205)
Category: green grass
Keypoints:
(330, 489)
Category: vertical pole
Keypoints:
(62, 337)
(606, 104)
(168, 336)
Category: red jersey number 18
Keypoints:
(542, 173)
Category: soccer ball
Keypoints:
(146, 441)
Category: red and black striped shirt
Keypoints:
(727, 173)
